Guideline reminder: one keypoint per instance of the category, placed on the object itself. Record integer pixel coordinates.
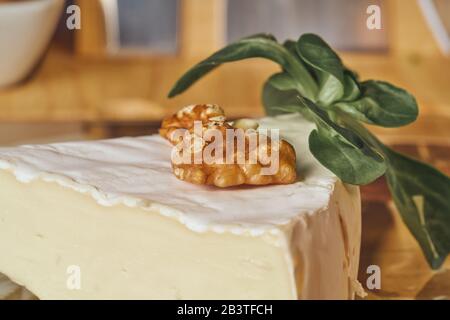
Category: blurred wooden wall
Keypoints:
(88, 86)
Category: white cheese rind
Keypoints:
(137, 172)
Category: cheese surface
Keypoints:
(114, 209)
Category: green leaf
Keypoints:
(351, 164)
(351, 87)
(352, 73)
(342, 151)
(279, 95)
(291, 46)
(422, 196)
(322, 118)
(283, 81)
(326, 64)
(259, 46)
(381, 104)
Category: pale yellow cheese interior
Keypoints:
(129, 253)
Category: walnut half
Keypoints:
(248, 157)
(184, 118)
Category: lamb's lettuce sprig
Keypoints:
(314, 82)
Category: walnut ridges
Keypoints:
(248, 157)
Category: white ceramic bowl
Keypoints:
(26, 28)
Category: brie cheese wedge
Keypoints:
(108, 220)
